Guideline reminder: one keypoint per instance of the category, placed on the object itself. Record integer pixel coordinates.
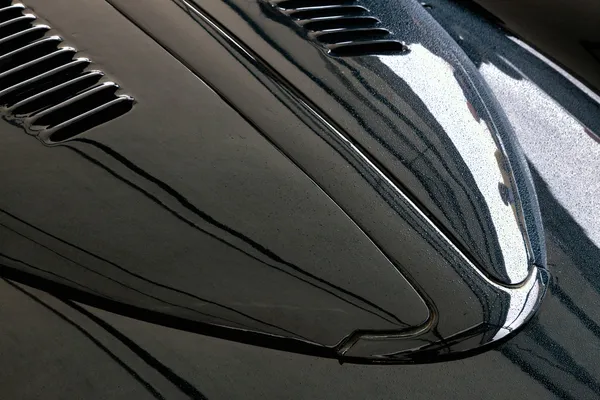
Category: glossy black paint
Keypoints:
(391, 108)
(343, 29)
(242, 258)
(46, 88)
(204, 219)
(554, 357)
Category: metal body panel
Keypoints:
(390, 107)
(231, 233)
(93, 353)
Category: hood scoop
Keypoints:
(45, 87)
(344, 28)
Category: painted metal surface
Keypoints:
(272, 243)
(391, 107)
(43, 88)
(553, 357)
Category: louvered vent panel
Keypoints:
(344, 28)
(45, 87)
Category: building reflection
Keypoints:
(547, 105)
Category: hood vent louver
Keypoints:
(45, 87)
(343, 27)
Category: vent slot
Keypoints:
(38, 84)
(14, 11)
(329, 11)
(23, 38)
(16, 24)
(95, 117)
(344, 28)
(351, 35)
(359, 48)
(36, 67)
(291, 4)
(81, 103)
(55, 90)
(330, 23)
(45, 88)
(28, 53)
